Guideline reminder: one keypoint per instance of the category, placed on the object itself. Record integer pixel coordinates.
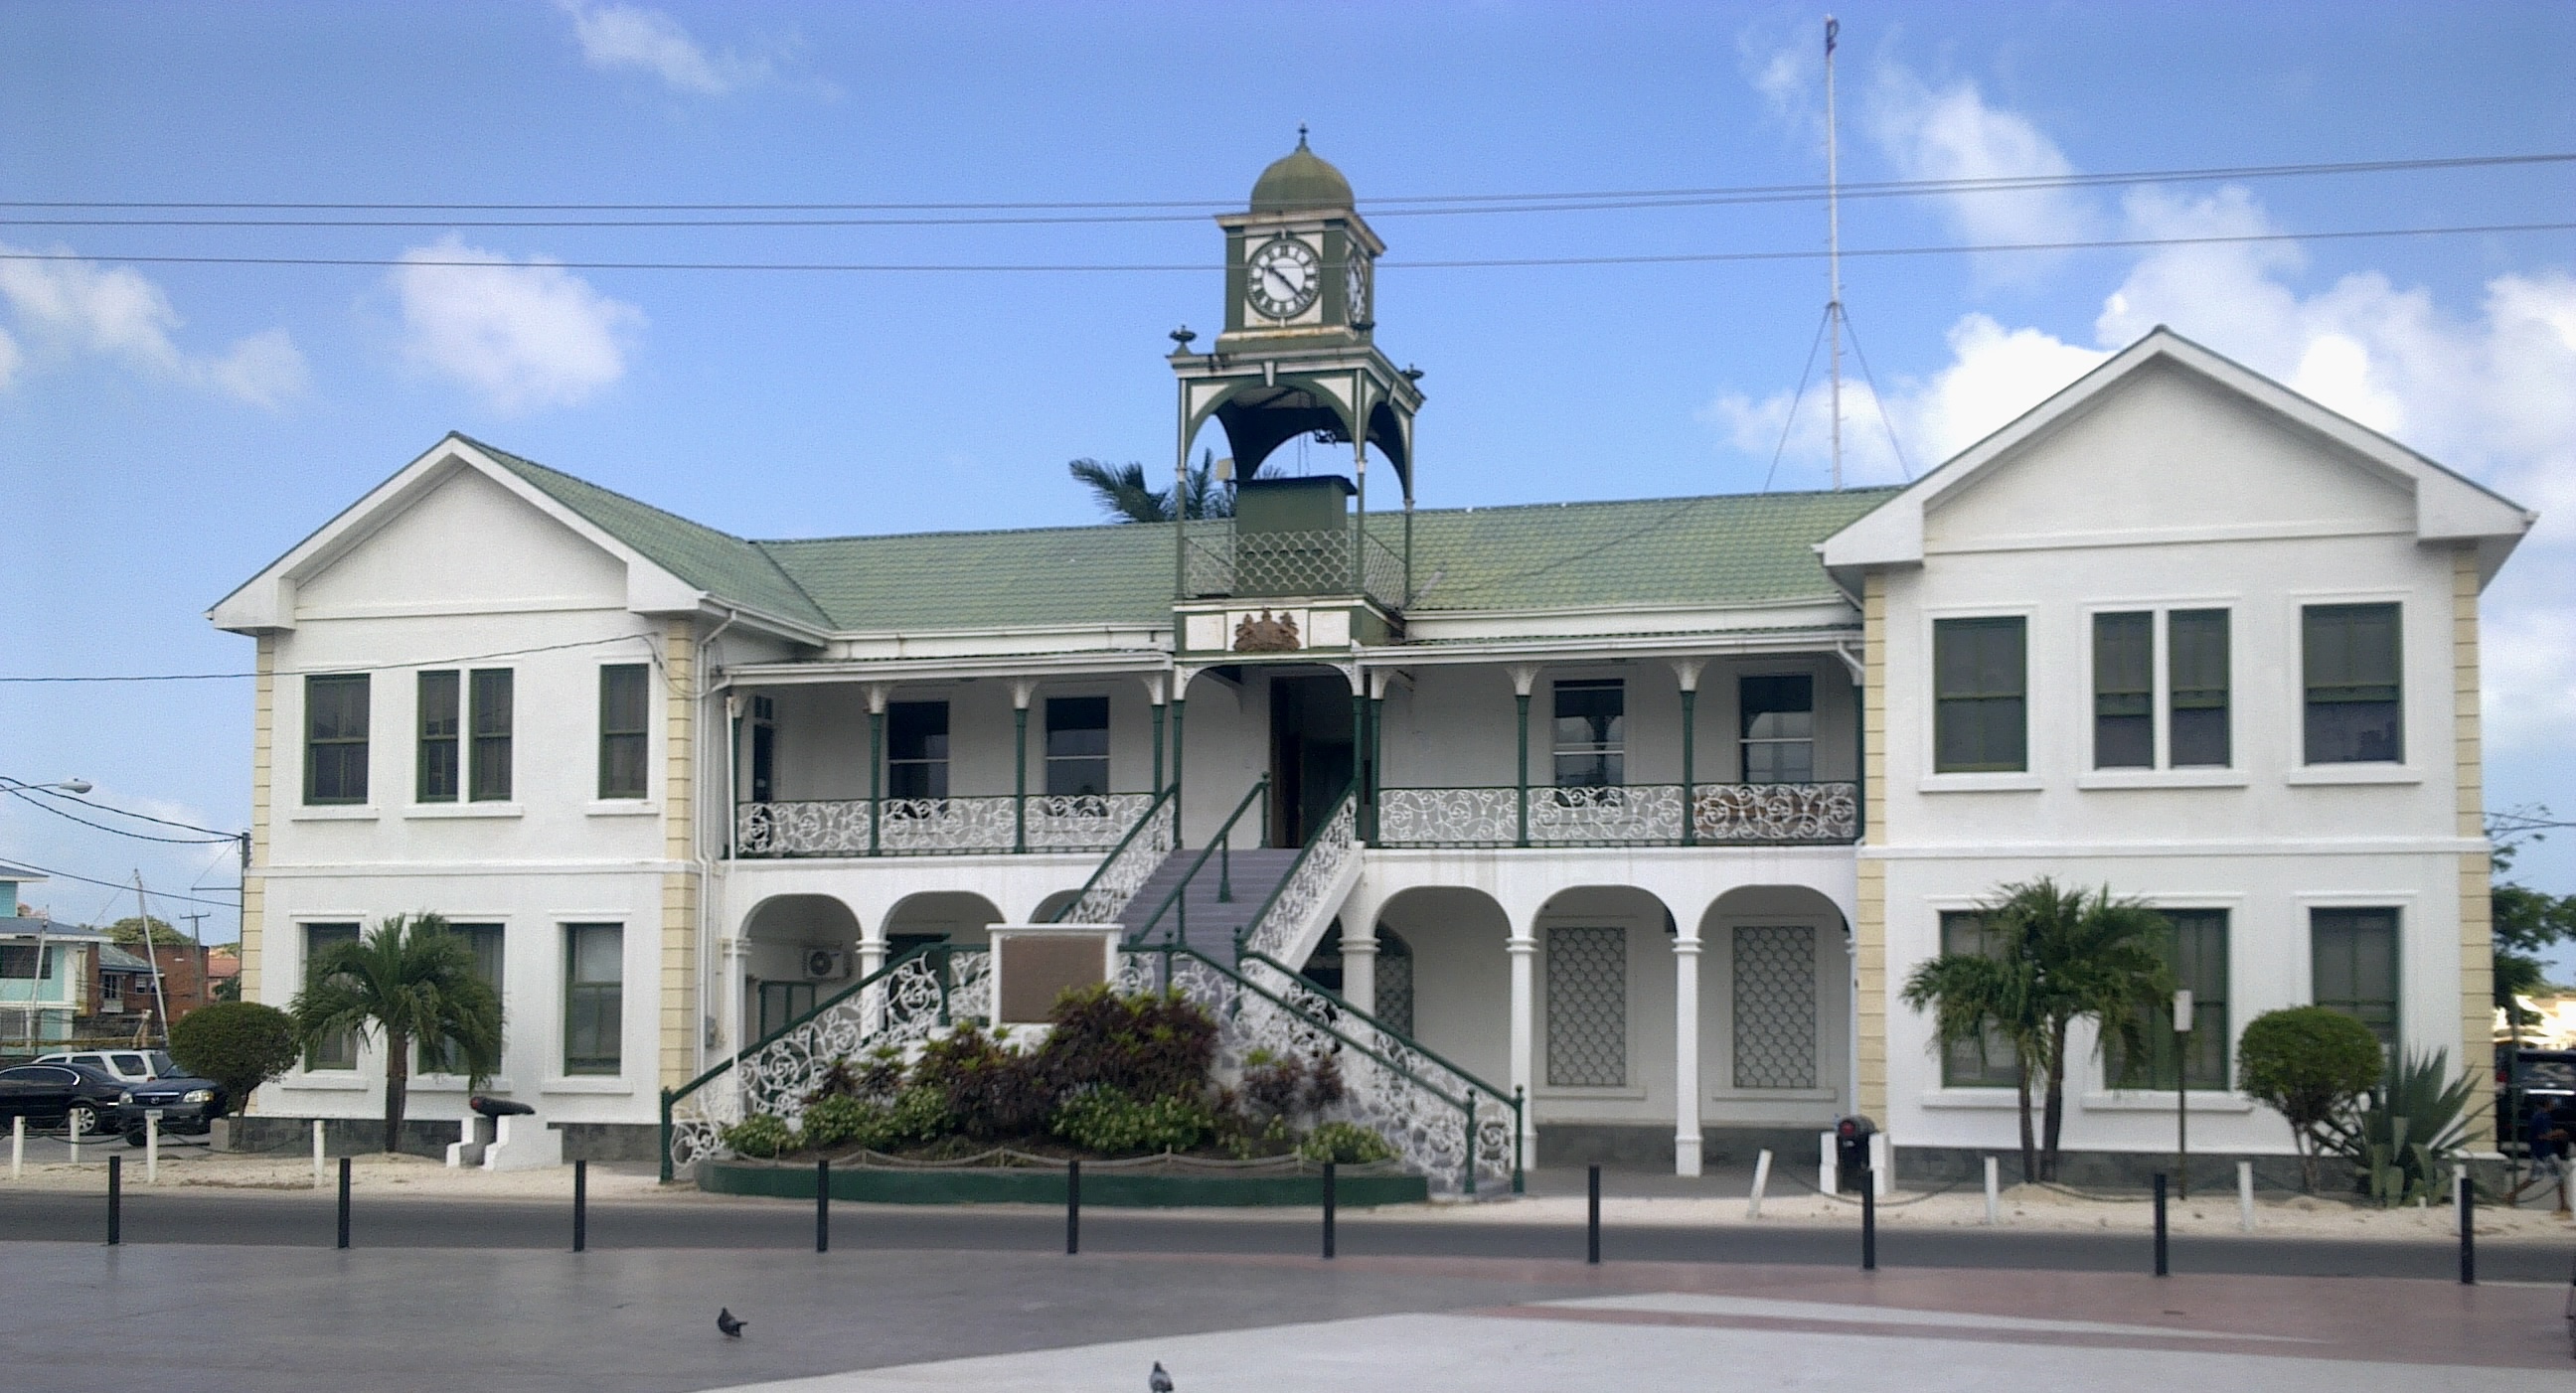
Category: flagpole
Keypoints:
(1834, 250)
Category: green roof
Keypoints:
(1717, 551)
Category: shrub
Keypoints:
(987, 1092)
(239, 1044)
(1109, 1121)
(2308, 1064)
(1151, 1045)
(2411, 1130)
(1344, 1143)
(759, 1135)
(1274, 1087)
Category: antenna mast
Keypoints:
(1834, 251)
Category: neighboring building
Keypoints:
(121, 998)
(45, 971)
(1652, 803)
(192, 974)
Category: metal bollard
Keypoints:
(2161, 1268)
(1330, 1185)
(1994, 1193)
(2245, 1195)
(344, 1201)
(1868, 1222)
(17, 1145)
(151, 1149)
(115, 1200)
(75, 1137)
(317, 1153)
(1761, 1182)
(823, 1204)
(1072, 1208)
(1592, 1218)
(2466, 1189)
(580, 1206)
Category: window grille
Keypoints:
(1775, 1006)
(1587, 1007)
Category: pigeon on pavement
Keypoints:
(733, 1328)
(1158, 1381)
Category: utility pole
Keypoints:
(1834, 250)
(160, 999)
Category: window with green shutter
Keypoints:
(1987, 1062)
(594, 998)
(490, 699)
(2124, 691)
(2355, 966)
(625, 712)
(2196, 671)
(1980, 696)
(2351, 659)
(340, 1049)
(2197, 952)
(335, 738)
(435, 780)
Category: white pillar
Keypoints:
(1524, 951)
(872, 948)
(731, 955)
(1686, 1135)
(1359, 969)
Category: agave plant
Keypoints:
(2409, 1130)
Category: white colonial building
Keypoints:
(1639, 811)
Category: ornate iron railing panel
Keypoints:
(936, 826)
(1777, 813)
(1128, 868)
(899, 1005)
(1629, 815)
(1319, 867)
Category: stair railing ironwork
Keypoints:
(1128, 866)
(1319, 863)
(1176, 903)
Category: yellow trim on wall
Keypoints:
(2477, 949)
(679, 983)
(263, 771)
(1870, 933)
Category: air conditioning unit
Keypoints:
(826, 964)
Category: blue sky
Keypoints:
(167, 429)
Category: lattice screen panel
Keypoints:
(1587, 1007)
(1775, 1006)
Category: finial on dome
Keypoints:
(1301, 135)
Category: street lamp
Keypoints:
(2182, 1093)
(72, 786)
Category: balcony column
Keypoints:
(1359, 750)
(1021, 690)
(1524, 952)
(1686, 1133)
(1154, 701)
(1688, 669)
(876, 761)
(1376, 752)
(1180, 684)
(733, 774)
(1524, 676)
(1359, 968)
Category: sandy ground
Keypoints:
(185, 1167)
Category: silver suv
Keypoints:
(125, 1066)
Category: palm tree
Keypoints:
(2053, 957)
(1124, 494)
(410, 980)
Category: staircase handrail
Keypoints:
(1221, 839)
(671, 1097)
(1151, 811)
(1243, 936)
(1466, 1107)
(1305, 983)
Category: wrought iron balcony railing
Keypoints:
(1625, 815)
(937, 826)
(1224, 561)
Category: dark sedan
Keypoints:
(188, 1105)
(74, 1096)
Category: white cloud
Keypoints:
(10, 358)
(630, 36)
(524, 334)
(1953, 134)
(82, 307)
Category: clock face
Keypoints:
(1355, 287)
(1285, 277)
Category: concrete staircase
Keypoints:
(1210, 923)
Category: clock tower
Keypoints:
(1298, 357)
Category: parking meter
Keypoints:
(1851, 1150)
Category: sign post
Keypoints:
(2182, 1093)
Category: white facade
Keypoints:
(1648, 979)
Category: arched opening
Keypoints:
(1054, 905)
(1394, 980)
(1444, 978)
(1604, 1013)
(938, 916)
(800, 949)
(1777, 999)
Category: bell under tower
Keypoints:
(1298, 357)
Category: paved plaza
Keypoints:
(278, 1318)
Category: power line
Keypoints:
(351, 667)
(1390, 205)
(119, 831)
(1194, 267)
(120, 886)
(120, 812)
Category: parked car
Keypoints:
(188, 1105)
(126, 1066)
(65, 1093)
(2526, 1081)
